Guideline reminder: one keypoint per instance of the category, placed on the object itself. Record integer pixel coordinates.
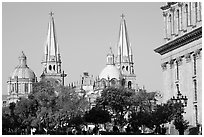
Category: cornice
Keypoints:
(165, 7)
(180, 41)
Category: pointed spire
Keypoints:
(51, 47)
(123, 42)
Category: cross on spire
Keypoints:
(51, 13)
(122, 16)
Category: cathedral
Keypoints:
(119, 69)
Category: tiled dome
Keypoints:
(110, 71)
(22, 70)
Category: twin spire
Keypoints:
(124, 49)
(51, 47)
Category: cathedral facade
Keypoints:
(182, 56)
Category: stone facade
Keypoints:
(182, 56)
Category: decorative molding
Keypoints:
(172, 9)
(180, 41)
(180, 4)
(171, 63)
(164, 66)
(198, 53)
(179, 60)
(164, 14)
(188, 57)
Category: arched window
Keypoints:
(54, 67)
(196, 12)
(127, 68)
(186, 15)
(123, 82)
(178, 20)
(104, 83)
(50, 67)
(129, 84)
(123, 67)
(170, 24)
(113, 82)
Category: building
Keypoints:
(119, 70)
(20, 81)
(52, 62)
(182, 56)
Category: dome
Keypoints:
(23, 72)
(110, 71)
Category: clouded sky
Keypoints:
(85, 31)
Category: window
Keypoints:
(12, 87)
(113, 82)
(26, 87)
(127, 68)
(178, 20)
(170, 24)
(50, 67)
(54, 67)
(123, 82)
(186, 14)
(196, 11)
(195, 89)
(129, 84)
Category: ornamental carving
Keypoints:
(172, 9)
(164, 14)
(198, 53)
(180, 4)
(171, 62)
(179, 60)
(164, 66)
(188, 57)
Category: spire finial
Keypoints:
(122, 16)
(51, 13)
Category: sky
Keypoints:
(85, 31)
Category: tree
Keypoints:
(26, 109)
(118, 101)
(97, 116)
(141, 113)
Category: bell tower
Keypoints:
(51, 60)
(124, 58)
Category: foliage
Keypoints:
(117, 101)
(97, 116)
